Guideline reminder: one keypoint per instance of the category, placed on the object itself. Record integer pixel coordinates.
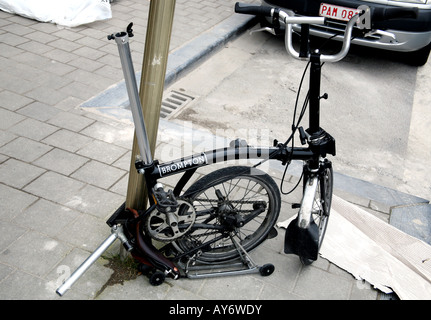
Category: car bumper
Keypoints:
(414, 38)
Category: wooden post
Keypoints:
(158, 38)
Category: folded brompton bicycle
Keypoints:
(209, 229)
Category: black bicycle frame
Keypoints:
(188, 165)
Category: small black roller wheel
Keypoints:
(157, 278)
(266, 269)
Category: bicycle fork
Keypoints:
(302, 234)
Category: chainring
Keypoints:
(170, 226)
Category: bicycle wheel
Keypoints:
(322, 204)
(235, 204)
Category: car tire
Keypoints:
(420, 57)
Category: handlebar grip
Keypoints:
(382, 14)
(253, 9)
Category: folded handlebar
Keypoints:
(364, 12)
(288, 20)
(323, 58)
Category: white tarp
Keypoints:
(68, 13)
(377, 252)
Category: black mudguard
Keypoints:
(302, 242)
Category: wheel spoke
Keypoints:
(226, 197)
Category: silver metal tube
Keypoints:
(303, 20)
(284, 17)
(122, 41)
(86, 264)
(304, 215)
(346, 43)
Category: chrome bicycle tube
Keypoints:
(305, 212)
(122, 40)
(288, 20)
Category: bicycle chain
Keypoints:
(231, 201)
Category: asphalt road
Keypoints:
(377, 108)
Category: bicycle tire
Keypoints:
(243, 189)
(322, 205)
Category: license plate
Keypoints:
(336, 12)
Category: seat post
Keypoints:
(122, 40)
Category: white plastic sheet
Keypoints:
(377, 252)
(68, 13)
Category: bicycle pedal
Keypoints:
(296, 205)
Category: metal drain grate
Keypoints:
(173, 101)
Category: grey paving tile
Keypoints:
(35, 47)
(121, 135)
(139, 290)
(60, 55)
(12, 101)
(8, 118)
(102, 151)
(16, 84)
(45, 95)
(69, 34)
(13, 202)
(33, 129)
(230, 288)
(70, 121)
(86, 232)
(96, 202)
(5, 137)
(98, 174)
(316, 284)
(55, 187)
(69, 103)
(121, 186)
(85, 64)
(23, 286)
(9, 51)
(65, 44)
(46, 217)
(34, 253)
(124, 161)
(89, 53)
(61, 161)
(98, 83)
(10, 232)
(25, 149)
(5, 271)
(17, 174)
(39, 110)
(41, 37)
(78, 90)
(67, 140)
(12, 39)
